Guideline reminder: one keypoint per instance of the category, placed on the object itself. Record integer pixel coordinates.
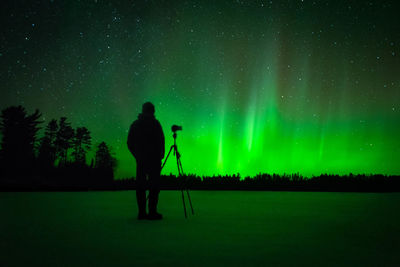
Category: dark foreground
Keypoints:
(229, 228)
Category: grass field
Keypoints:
(228, 228)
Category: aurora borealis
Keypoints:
(258, 86)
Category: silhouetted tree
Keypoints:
(18, 130)
(64, 139)
(47, 148)
(105, 163)
(81, 144)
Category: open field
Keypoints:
(229, 228)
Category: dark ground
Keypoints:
(230, 228)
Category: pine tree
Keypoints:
(105, 162)
(47, 149)
(64, 139)
(18, 131)
(81, 144)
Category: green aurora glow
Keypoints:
(258, 87)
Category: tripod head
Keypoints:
(176, 128)
(174, 149)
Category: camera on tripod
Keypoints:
(184, 186)
(175, 128)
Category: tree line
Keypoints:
(59, 157)
(58, 161)
(276, 182)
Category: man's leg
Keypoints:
(154, 190)
(141, 190)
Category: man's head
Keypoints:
(148, 108)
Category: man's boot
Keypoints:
(141, 201)
(153, 200)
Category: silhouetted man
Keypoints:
(147, 145)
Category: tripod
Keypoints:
(184, 187)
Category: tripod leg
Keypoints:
(184, 205)
(180, 169)
(190, 201)
(180, 173)
(165, 161)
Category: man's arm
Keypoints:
(162, 141)
(131, 140)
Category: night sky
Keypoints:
(258, 86)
